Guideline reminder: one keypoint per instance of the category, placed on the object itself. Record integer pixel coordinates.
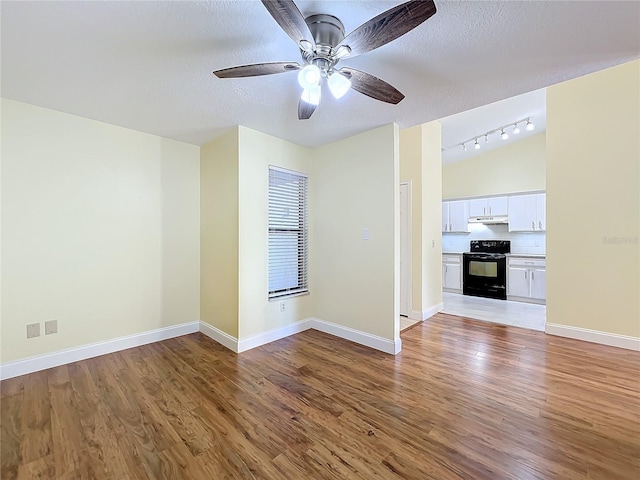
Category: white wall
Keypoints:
(100, 230)
(356, 187)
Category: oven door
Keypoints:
(485, 275)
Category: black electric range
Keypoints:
(485, 269)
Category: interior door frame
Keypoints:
(409, 271)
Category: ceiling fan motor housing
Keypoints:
(327, 32)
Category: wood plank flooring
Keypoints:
(465, 399)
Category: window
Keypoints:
(288, 233)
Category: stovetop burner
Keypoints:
(490, 246)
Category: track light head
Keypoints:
(504, 135)
(476, 145)
(516, 129)
(530, 126)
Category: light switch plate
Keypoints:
(33, 330)
(50, 326)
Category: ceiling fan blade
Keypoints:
(257, 69)
(288, 16)
(305, 110)
(372, 86)
(388, 26)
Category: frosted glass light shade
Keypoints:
(530, 126)
(309, 77)
(311, 95)
(339, 85)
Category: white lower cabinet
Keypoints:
(527, 279)
(452, 273)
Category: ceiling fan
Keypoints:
(323, 44)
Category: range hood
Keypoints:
(490, 220)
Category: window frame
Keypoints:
(302, 235)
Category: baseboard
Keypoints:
(62, 357)
(219, 336)
(431, 311)
(368, 340)
(594, 336)
(273, 335)
(414, 315)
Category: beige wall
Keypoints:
(593, 201)
(219, 187)
(517, 167)
(411, 171)
(356, 186)
(99, 230)
(432, 216)
(256, 152)
(421, 165)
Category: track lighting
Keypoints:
(530, 126)
(503, 131)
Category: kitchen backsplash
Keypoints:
(520, 242)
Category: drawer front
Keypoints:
(451, 259)
(527, 262)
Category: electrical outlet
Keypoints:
(33, 330)
(282, 306)
(50, 326)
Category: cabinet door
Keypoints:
(541, 211)
(497, 206)
(522, 213)
(478, 207)
(452, 276)
(538, 283)
(518, 282)
(459, 216)
(445, 217)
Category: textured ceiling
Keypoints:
(147, 65)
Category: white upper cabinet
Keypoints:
(527, 213)
(484, 207)
(455, 216)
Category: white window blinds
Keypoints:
(288, 232)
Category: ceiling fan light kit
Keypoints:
(322, 42)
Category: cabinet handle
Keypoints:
(450, 228)
(525, 274)
(540, 224)
(533, 224)
(489, 210)
(484, 210)
(531, 274)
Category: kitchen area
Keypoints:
(493, 261)
(494, 212)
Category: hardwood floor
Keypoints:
(465, 399)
